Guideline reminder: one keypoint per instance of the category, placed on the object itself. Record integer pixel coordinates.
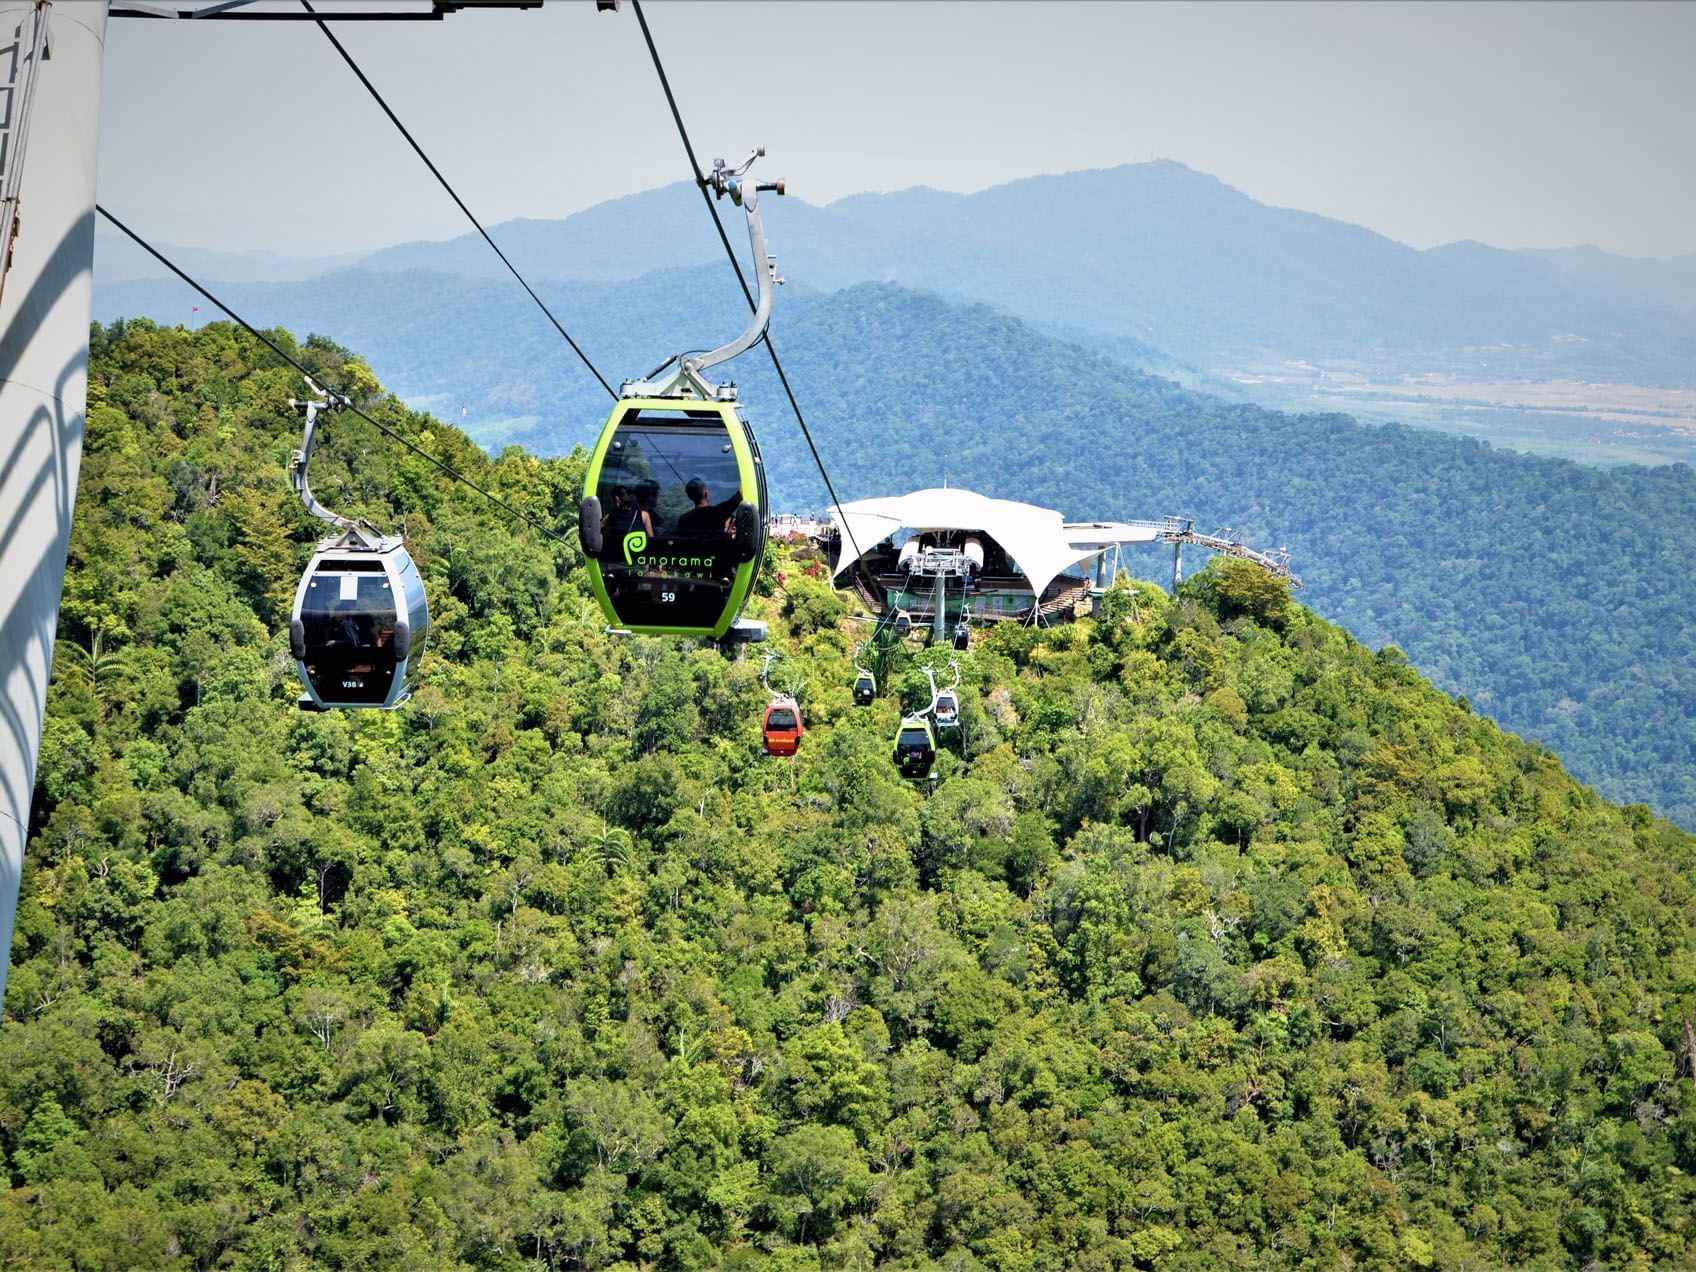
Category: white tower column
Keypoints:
(45, 306)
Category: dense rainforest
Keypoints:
(1220, 939)
(1554, 596)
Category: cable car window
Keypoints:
(348, 612)
(781, 719)
(671, 546)
(914, 739)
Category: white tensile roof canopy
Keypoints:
(1036, 538)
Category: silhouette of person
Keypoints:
(707, 519)
(349, 630)
(647, 500)
(624, 517)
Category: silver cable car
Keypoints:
(945, 703)
(360, 615)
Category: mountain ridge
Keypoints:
(1231, 277)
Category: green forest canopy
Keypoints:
(1220, 939)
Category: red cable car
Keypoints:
(783, 727)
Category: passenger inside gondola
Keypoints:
(647, 496)
(622, 515)
(707, 519)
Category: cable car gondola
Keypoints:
(865, 689)
(360, 615)
(945, 703)
(673, 517)
(357, 631)
(915, 748)
(680, 496)
(865, 684)
(783, 727)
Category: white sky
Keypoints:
(1520, 124)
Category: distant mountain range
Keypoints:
(1195, 272)
(1670, 282)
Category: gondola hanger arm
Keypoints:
(687, 380)
(765, 674)
(322, 400)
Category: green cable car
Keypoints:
(865, 689)
(915, 748)
(680, 491)
(673, 517)
(865, 684)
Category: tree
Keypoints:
(817, 1174)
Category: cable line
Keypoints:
(694, 164)
(695, 172)
(277, 349)
(452, 194)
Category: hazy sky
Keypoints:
(1521, 124)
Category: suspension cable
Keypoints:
(452, 194)
(277, 349)
(695, 175)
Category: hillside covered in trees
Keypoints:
(1553, 595)
(1222, 939)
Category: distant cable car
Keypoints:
(865, 689)
(360, 615)
(962, 635)
(945, 703)
(673, 517)
(903, 623)
(865, 684)
(783, 727)
(915, 747)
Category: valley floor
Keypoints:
(1602, 424)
